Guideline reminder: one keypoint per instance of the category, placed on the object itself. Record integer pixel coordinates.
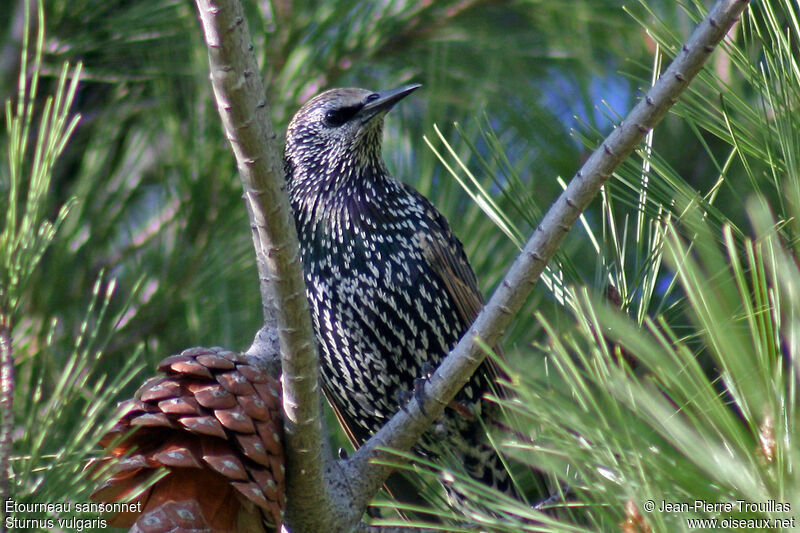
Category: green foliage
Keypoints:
(59, 380)
(124, 237)
(26, 233)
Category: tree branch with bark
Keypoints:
(6, 403)
(240, 97)
(331, 494)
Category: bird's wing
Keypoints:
(445, 257)
(445, 254)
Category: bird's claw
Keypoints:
(427, 370)
(555, 498)
(403, 397)
(419, 393)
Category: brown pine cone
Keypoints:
(213, 422)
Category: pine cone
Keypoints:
(214, 423)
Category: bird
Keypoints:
(389, 285)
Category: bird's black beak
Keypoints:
(384, 100)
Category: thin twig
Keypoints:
(362, 528)
(6, 405)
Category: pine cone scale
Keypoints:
(161, 389)
(180, 406)
(214, 423)
(235, 383)
(213, 397)
(203, 425)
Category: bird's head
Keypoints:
(340, 129)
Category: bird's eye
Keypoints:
(337, 117)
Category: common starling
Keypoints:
(390, 288)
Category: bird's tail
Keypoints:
(458, 443)
(469, 452)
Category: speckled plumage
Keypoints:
(390, 288)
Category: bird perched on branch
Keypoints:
(390, 288)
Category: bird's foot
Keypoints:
(403, 397)
(419, 393)
(427, 370)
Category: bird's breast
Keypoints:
(365, 268)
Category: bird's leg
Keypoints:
(418, 391)
(403, 397)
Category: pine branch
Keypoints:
(239, 93)
(6, 404)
